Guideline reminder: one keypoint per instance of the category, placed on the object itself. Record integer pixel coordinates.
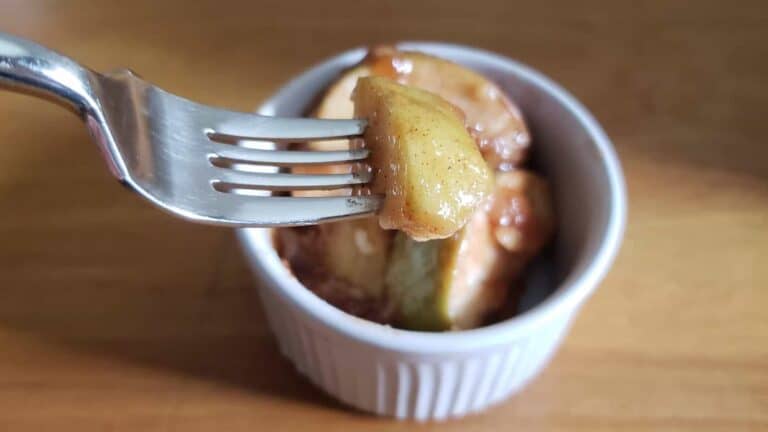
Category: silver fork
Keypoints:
(183, 156)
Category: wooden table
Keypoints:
(114, 316)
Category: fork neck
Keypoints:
(27, 67)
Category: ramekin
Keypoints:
(434, 376)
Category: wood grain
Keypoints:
(114, 316)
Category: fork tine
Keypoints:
(268, 211)
(287, 158)
(253, 126)
(287, 181)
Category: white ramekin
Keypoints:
(433, 376)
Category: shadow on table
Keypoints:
(237, 353)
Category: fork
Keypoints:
(198, 162)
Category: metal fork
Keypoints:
(183, 156)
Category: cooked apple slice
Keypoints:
(425, 162)
(337, 100)
(521, 212)
(456, 283)
(450, 284)
(494, 120)
(355, 252)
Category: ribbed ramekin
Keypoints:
(434, 376)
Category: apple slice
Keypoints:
(494, 120)
(458, 282)
(450, 284)
(521, 212)
(353, 251)
(425, 162)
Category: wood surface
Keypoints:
(116, 317)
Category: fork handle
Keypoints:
(28, 67)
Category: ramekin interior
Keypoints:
(597, 230)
